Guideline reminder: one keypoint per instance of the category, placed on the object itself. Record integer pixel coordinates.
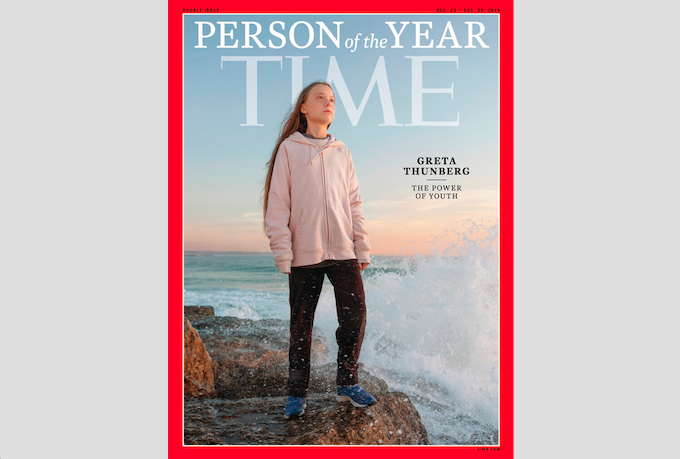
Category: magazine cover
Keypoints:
(340, 250)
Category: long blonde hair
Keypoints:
(295, 120)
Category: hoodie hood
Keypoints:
(299, 138)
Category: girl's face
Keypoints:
(319, 107)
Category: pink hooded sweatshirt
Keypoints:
(314, 209)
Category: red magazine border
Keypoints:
(176, 448)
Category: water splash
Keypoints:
(244, 304)
(432, 332)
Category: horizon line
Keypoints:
(269, 253)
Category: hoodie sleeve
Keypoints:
(278, 213)
(362, 247)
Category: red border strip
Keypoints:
(506, 247)
(175, 228)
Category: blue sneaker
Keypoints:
(295, 407)
(356, 396)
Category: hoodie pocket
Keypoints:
(341, 233)
(310, 230)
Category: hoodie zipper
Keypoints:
(325, 203)
(325, 200)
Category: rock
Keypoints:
(250, 363)
(196, 312)
(250, 356)
(260, 421)
(198, 367)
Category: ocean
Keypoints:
(431, 327)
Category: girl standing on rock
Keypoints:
(313, 219)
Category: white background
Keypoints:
(84, 230)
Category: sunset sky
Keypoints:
(224, 162)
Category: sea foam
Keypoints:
(432, 332)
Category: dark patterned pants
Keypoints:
(305, 289)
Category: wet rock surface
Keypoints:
(259, 421)
(250, 366)
(250, 356)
